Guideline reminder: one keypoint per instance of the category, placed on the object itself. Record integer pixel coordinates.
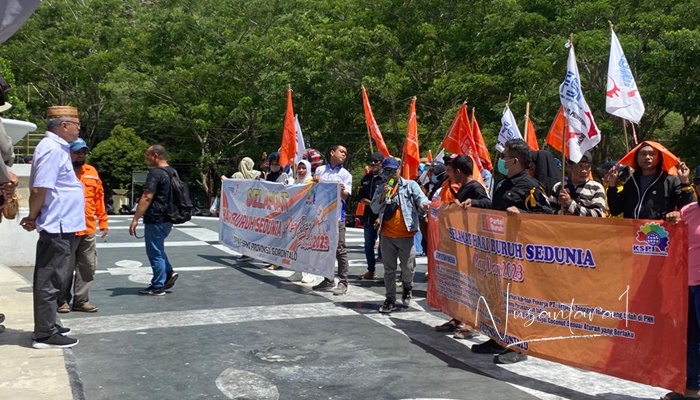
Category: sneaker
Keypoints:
(488, 347)
(61, 330)
(55, 341)
(369, 275)
(151, 291)
(509, 356)
(307, 278)
(388, 306)
(406, 298)
(171, 281)
(64, 308)
(324, 285)
(340, 290)
(85, 307)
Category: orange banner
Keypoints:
(606, 295)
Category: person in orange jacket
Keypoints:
(83, 263)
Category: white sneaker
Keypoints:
(307, 277)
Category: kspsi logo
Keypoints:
(654, 238)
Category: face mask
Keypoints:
(434, 179)
(502, 167)
(274, 168)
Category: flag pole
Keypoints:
(527, 116)
(624, 128)
(369, 134)
(564, 142)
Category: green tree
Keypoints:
(118, 156)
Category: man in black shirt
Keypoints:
(153, 207)
(368, 185)
(517, 193)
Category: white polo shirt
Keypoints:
(326, 173)
(64, 206)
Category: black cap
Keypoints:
(588, 157)
(377, 156)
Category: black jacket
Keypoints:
(664, 195)
(522, 191)
(475, 191)
(368, 185)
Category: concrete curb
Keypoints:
(27, 373)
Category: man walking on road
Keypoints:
(57, 211)
(368, 186)
(153, 206)
(397, 205)
(84, 253)
(335, 172)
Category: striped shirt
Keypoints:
(588, 199)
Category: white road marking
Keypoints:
(124, 245)
(239, 384)
(203, 234)
(182, 318)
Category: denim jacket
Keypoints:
(411, 199)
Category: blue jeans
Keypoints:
(693, 363)
(155, 235)
(370, 240)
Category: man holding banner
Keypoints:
(518, 192)
(335, 172)
(397, 205)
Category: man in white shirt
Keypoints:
(57, 211)
(334, 172)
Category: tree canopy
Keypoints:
(207, 79)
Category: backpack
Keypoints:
(180, 208)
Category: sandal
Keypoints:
(463, 333)
(449, 326)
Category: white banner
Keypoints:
(583, 133)
(622, 97)
(509, 129)
(295, 226)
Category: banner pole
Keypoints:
(624, 128)
(527, 116)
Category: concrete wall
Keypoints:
(17, 246)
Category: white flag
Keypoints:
(622, 97)
(440, 158)
(509, 129)
(301, 147)
(583, 133)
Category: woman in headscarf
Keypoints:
(303, 173)
(545, 169)
(246, 169)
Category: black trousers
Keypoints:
(52, 259)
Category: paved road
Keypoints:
(233, 330)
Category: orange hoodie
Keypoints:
(94, 199)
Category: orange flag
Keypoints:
(289, 135)
(459, 138)
(372, 125)
(480, 144)
(556, 131)
(411, 154)
(530, 136)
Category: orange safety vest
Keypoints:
(94, 199)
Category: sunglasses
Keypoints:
(375, 161)
(390, 170)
